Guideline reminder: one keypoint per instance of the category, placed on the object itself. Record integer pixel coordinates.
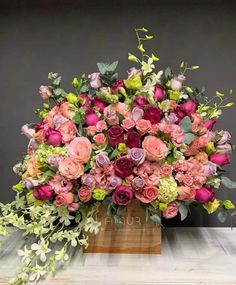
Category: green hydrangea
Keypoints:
(167, 189)
(45, 150)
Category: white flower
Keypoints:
(61, 255)
(25, 254)
(41, 249)
(148, 66)
(92, 226)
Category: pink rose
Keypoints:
(220, 159)
(159, 93)
(80, 148)
(137, 114)
(143, 126)
(73, 207)
(91, 130)
(95, 81)
(60, 184)
(52, 137)
(134, 72)
(64, 199)
(122, 108)
(171, 211)
(147, 194)
(84, 194)
(128, 124)
(177, 135)
(43, 192)
(27, 131)
(140, 101)
(225, 137)
(99, 139)
(110, 115)
(176, 82)
(96, 102)
(68, 131)
(205, 195)
(91, 118)
(189, 107)
(209, 124)
(155, 149)
(188, 180)
(154, 129)
(186, 193)
(101, 126)
(166, 169)
(70, 168)
(45, 92)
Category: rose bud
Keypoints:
(115, 88)
(189, 107)
(86, 99)
(96, 102)
(137, 155)
(52, 137)
(27, 131)
(133, 139)
(176, 82)
(95, 81)
(205, 195)
(158, 93)
(219, 159)
(209, 124)
(153, 114)
(91, 118)
(42, 192)
(115, 135)
(45, 92)
(122, 196)
(123, 167)
(140, 101)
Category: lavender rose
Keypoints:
(88, 180)
(113, 182)
(95, 81)
(224, 148)
(102, 159)
(138, 183)
(137, 155)
(29, 183)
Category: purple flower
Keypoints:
(27, 131)
(88, 180)
(225, 136)
(138, 183)
(210, 168)
(134, 72)
(54, 160)
(29, 183)
(137, 155)
(113, 182)
(95, 81)
(102, 159)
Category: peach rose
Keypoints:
(143, 126)
(80, 148)
(154, 129)
(70, 168)
(91, 130)
(155, 149)
(99, 138)
(101, 126)
(186, 193)
(122, 108)
(66, 110)
(84, 194)
(33, 167)
(68, 131)
(166, 169)
(128, 124)
(64, 199)
(201, 157)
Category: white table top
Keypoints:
(189, 256)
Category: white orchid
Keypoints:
(41, 249)
(148, 66)
(25, 254)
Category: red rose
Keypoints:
(115, 135)
(140, 101)
(115, 88)
(153, 114)
(122, 195)
(133, 139)
(123, 167)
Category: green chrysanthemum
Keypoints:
(167, 189)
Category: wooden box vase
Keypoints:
(137, 235)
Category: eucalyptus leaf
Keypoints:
(186, 124)
(183, 210)
(101, 67)
(168, 72)
(112, 67)
(222, 216)
(155, 219)
(228, 182)
(189, 137)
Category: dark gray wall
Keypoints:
(71, 36)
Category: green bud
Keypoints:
(227, 204)
(45, 106)
(174, 95)
(72, 98)
(210, 148)
(168, 84)
(75, 82)
(132, 57)
(162, 206)
(122, 147)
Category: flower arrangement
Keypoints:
(147, 137)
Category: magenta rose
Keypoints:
(209, 124)
(220, 158)
(122, 196)
(205, 195)
(153, 114)
(159, 93)
(133, 139)
(140, 101)
(118, 84)
(91, 118)
(96, 102)
(52, 137)
(123, 167)
(42, 192)
(189, 107)
(86, 99)
(115, 135)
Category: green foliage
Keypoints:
(228, 182)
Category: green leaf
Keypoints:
(57, 81)
(186, 124)
(148, 37)
(189, 137)
(77, 118)
(222, 216)
(112, 66)
(58, 91)
(168, 72)
(155, 219)
(228, 182)
(183, 210)
(114, 154)
(87, 167)
(101, 67)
